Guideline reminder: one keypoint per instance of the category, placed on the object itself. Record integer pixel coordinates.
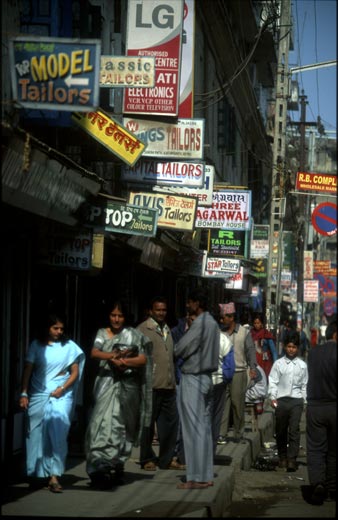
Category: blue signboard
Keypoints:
(55, 73)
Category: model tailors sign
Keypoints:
(55, 73)
(174, 212)
(111, 134)
(229, 210)
(154, 29)
(181, 140)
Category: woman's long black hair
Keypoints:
(50, 320)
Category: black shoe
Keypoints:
(318, 494)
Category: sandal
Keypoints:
(149, 466)
(55, 487)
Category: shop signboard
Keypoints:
(174, 212)
(321, 182)
(223, 242)
(221, 266)
(173, 173)
(127, 71)
(259, 247)
(311, 291)
(183, 139)
(155, 29)
(111, 134)
(186, 102)
(229, 210)
(55, 73)
(65, 248)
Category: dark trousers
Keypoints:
(288, 414)
(321, 427)
(218, 403)
(165, 415)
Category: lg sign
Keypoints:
(162, 17)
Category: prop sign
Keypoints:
(324, 218)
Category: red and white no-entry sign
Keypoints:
(324, 218)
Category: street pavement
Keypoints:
(149, 494)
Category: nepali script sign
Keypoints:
(111, 134)
(174, 212)
(229, 210)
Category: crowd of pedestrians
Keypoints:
(169, 382)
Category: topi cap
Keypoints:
(227, 308)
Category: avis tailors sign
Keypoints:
(154, 29)
(55, 73)
(230, 210)
(174, 212)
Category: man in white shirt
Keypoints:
(287, 392)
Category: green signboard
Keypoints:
(130, 219)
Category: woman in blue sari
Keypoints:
(122, 398)
(53, 368)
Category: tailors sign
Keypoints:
(55, 73)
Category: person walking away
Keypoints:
(164, 406)
(220, 386)
(199, 349)
(266, 353)
(245, 357)
(287, 392)
(52, 372)
(321, 417)
(122, 398)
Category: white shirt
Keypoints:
(288, 378)
(225, 345)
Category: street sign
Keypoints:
(55, 73)
(324, 218)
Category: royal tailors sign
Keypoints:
(55, 73)
(229, 210)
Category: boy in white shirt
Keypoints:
(287, 392)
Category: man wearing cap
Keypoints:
(245, 356)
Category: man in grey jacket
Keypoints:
(245, 357)
(199, 350)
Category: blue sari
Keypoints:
(48, 418)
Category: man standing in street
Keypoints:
(321, 417)
(164, 408)
(199, 350)
(245, 356)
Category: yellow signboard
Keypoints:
(111, 134)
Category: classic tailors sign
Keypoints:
(55, 73)
(229, 210)
(111, 134)
(174, 212)
(124, 71)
